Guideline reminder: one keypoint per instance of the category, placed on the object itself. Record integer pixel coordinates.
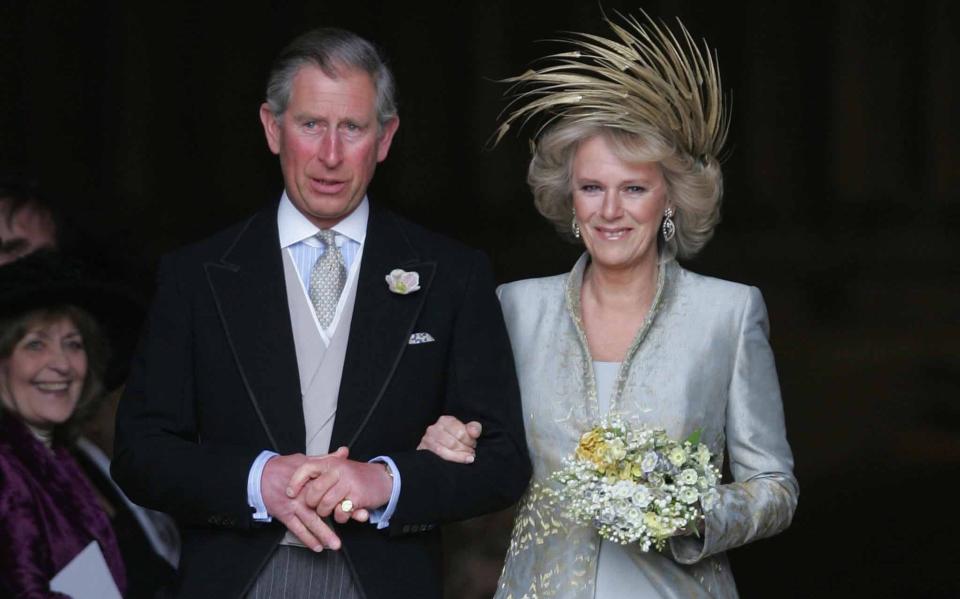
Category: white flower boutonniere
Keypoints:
(402, 282)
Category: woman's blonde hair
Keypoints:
(694, 186)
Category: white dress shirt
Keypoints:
(297, 237)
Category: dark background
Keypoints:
(140, 123)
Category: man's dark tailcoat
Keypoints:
(215, 381)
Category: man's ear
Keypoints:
(386, 138)
(271, 128)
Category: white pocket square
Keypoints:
(418, 338)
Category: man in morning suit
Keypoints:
(290, 334)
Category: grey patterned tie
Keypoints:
(327, 278)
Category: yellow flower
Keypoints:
(651, 520)
(592, 447)
(657, 526)
(616, 450)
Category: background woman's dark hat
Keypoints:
(47, 279)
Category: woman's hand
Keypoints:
(452, 440)
(696, 529)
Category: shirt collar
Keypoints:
(294, 227)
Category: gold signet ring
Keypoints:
(346, 506)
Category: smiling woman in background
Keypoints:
(52, 359)
(628, 166)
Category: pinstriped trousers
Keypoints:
(298, 573)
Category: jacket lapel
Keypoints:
(249, 290)
(381, 326)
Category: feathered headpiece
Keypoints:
(647, 79)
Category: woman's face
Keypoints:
(42, 378)
(618, 204)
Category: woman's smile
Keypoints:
(611, 233)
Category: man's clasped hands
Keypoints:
(301, 490)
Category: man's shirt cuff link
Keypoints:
(381, 516)
(254, 496)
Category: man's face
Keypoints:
(29, 230)
(328, 142)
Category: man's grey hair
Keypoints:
(333, 51)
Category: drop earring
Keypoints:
(574, 226)
(668, 228)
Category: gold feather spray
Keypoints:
(646, 78)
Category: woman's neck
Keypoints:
(614, 305)
(621, 290)
(44, 435)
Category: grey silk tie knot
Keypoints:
(327, 279)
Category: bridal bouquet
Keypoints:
(637, 485)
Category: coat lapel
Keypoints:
(249, 290)
(381, 326)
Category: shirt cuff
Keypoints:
(254, 497)
(381, 516)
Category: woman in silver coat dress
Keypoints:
(628, 167)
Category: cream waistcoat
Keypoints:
(320, 366)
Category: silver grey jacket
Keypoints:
(701, 360)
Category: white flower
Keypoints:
(649, 461)
(710, 476)
(642, 496)
(688, 495)
(607, 515)
(656, 480)
(622, 489)
(616, 450)
(688, 477)
(677, 456)
(403, 282)
(702, 455)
